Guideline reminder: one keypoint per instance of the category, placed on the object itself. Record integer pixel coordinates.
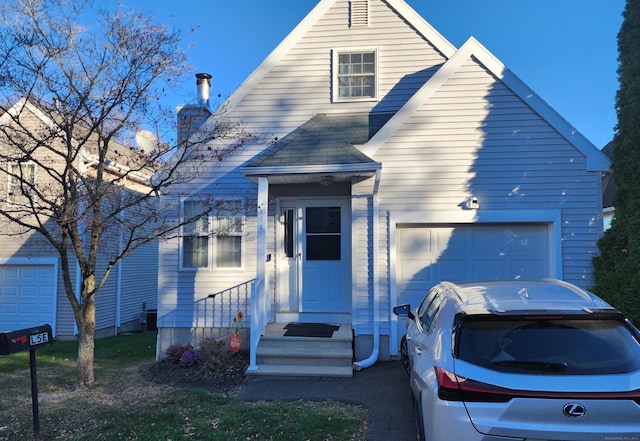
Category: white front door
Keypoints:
(316, 254)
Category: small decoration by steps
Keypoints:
(235, 341)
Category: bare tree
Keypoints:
(78, 80)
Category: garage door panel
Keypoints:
(487, 269)
(428, 254)
(450, 269)
(27, 295)
(530, 269)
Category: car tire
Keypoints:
(404, 355)
(417, 410)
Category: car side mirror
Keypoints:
(404, 311)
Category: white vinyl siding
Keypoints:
(475, 137)
(300, 84)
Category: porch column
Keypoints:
(263, 207)
(260, 299)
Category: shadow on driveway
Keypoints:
(383, 389)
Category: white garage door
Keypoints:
(428, 254)
(27, 296)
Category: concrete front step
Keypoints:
(307, 357)
(290, 371)
(280, 356)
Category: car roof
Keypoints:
(530, 296)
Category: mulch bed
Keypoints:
(226, 376)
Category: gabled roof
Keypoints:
(596, 160)
(400, 6)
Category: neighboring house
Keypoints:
(400, 161)
(608, 191)
(31, 285)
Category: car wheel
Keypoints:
(417, 410)
(404, 355)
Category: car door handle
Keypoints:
(418, 351)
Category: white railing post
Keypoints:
(257, 322)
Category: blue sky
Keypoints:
(565, 50)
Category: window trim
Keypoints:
(335, 64)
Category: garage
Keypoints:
(27, 295)
(428, 254)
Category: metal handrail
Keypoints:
(217, 310)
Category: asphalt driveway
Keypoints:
(382, 388)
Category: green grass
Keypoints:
(123, 406)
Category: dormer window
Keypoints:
(355, 75)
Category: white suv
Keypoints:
(521, 360)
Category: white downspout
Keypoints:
(363, 364)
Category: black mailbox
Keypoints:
(25, 339)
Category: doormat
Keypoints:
(321, 330)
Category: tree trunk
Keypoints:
(86, 342)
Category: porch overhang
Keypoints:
(313, 174)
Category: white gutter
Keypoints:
(363, 364)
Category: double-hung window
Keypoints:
(195, 242)
(22, 178)
(229, 220)
(355, 75)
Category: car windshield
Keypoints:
(552, 345)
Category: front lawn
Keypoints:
(123, 406)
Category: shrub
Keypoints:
(215, 359)
(189, 357)
(175, 351)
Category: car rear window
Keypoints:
(553, 345)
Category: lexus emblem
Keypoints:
(574, 410)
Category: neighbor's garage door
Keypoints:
(428, 254)
(27, 296)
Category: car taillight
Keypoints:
(452, 387)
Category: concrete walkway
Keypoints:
(383, 389)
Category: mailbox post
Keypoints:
(22, 340)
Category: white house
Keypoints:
(400, 161)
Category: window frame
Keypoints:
(335, 68)
(11, 193)
(185, 234)
(239, 232)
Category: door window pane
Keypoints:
(288, 232)
(323, 233)
(323, 220)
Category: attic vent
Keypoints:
(359, 10)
